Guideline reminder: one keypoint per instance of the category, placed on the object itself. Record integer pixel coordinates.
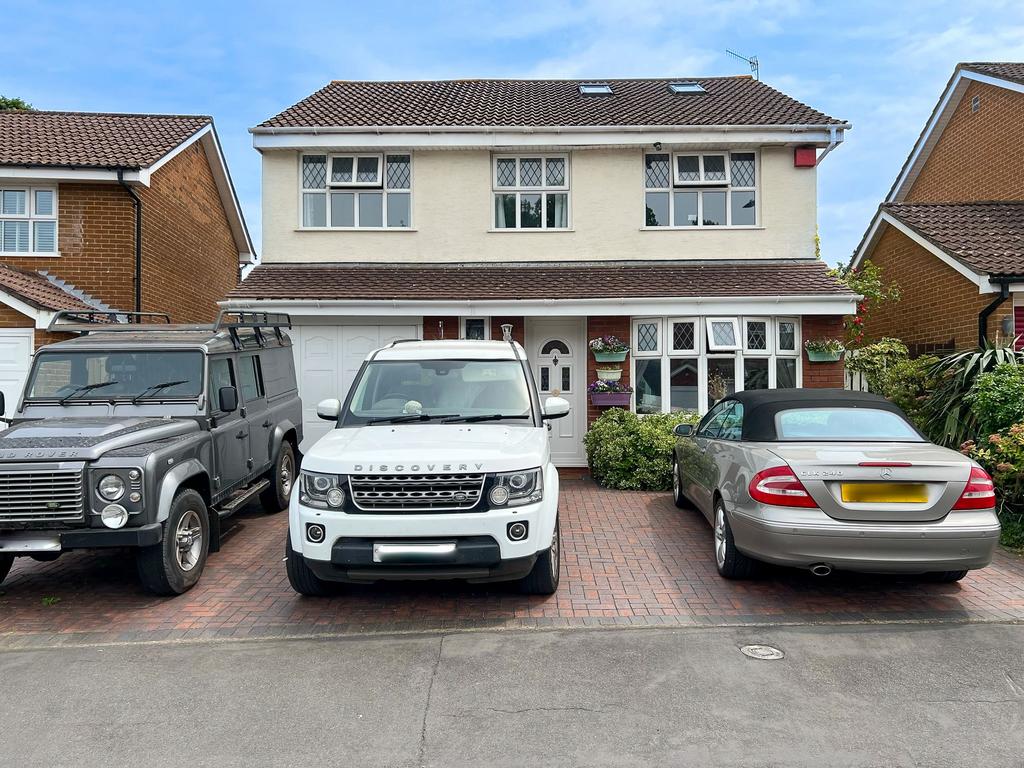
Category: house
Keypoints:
(110, 211)
(950, 233)
(677, 214)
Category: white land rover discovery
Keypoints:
(439, 468)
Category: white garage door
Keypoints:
(15, 356)
(327, 358)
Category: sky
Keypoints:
(881, 65)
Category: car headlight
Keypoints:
(513, 489)
(110, 487)
(322, 491)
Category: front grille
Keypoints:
(32, 495)
(416, 493)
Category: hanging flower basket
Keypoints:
(824, 350)
(609, 374)
(608, 393)
(609, 349)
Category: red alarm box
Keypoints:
(805, 157)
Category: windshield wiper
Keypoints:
(84, 388)
(410, 417)
(152, 390)
(487, 417)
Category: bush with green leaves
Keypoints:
(891, 373)
(1002, 456)
(997, 398)
(630, 452)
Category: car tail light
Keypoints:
(980, 492)
(779, 486)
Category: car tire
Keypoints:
(6, 562)
(543, 577)
(945, 577)
(174, 566)
(677, 487)
(282, 478)
(300, 576)
(731, 563)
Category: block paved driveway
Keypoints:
(629, 558)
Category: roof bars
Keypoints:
(258, 321)
(85, 320)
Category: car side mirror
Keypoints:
(227, 399)
(329, 409)
(682, 430)
(556, 408)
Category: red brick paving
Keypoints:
(628, 558)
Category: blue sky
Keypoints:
(879, 65)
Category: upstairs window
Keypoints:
(359, 191)
(28, 220)
(711, 189)
(531, 192)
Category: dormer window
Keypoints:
(595, 89)
(686, 88)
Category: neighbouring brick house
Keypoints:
(679, 215)
(75, 188)
(950, 233)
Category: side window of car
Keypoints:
(221, 375)
(251, 378)
(732, 424)
(712, 425)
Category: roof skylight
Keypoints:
(687, 87)
(595, 89)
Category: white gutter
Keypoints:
(378, 129)
(836, 138)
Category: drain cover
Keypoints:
(763, 652)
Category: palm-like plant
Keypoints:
(949, 419)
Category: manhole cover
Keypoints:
(763, 652)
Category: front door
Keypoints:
(556, 350)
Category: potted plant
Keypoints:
(609, 349)
(609, 393)
(609, 373)
(824, 350)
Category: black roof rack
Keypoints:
(85, 320)
(258, 321)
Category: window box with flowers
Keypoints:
(607, 393)
(824, 350)
(609, 349)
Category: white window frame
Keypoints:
(796, 336)
(700, 187)
(712, 346)
(357, 188)
(769, 333)
(702, 181)
(543, 190)
(635, 336)
(31, 217)
(670, 332)
(486, 322)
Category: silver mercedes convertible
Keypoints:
(829, 479)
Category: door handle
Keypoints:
(268, 424)
(241, 434)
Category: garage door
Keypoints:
(327, 358)
(15, 356)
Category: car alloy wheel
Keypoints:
(675, 481)
(189, 538)
(720, 535)
(287, 475)
(555, 558)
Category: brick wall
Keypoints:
(190, 259)
(821, 374)
(938, 307)
(432, 327)
(605, 326)
(518, 329)
(980, 155)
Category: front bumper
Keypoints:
(960, 541)
(35, 542)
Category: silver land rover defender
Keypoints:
(145, 434)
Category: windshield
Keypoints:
(843, 424)
(103, 374)
(397, 391)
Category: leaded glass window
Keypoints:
(357, 191)
(757, 335)
(521, 199)
(647, 337)
(684, 336)
(715, 189)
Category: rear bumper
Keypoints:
(871, 547)
(34, 542)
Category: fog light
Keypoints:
(135, 496)
(498, 495)
(315, 533)
(336, 497)
(133, 474)
(114, 516)
(517, 531)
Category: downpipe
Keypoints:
(821, 569)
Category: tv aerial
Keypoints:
(751, 62)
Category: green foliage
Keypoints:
(865, 280)
(949, 418)
(831, 346)
(873, 359)
(890, 372)
(997, 398)
(631, 452)
(1002, 456)
(10, 103)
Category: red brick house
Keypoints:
(110, 211)
(677, 214)
(951, 230)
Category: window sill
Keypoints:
(700, 229)
(29, 255)
(530, 231)
(355, 229)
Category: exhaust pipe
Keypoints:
(821, 569)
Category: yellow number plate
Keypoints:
(885, 493)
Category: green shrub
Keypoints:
(631, 452)
(997, 398)
(872, 360)
(1002, 456)
(891, 373)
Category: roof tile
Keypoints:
(33, 288)
(1005, 70)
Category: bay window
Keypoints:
(28, 220)
(711, 189)
(531, 192)
(357, 191)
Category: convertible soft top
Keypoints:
(760, 406)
